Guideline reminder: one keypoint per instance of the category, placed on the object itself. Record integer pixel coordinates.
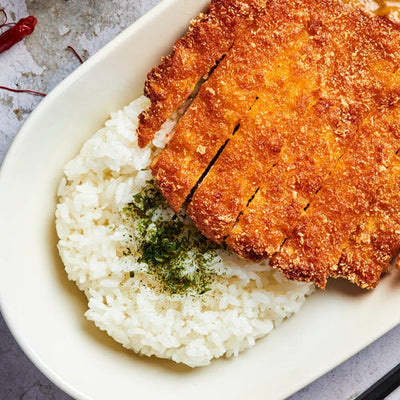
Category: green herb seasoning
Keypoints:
(176, 253)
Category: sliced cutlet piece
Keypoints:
(209, 37)
(312, 252)
(376, 240)
(255, 147)
(276, 119)
(364, 63)
(224, 99)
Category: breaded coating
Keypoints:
(376, 239)
(323, 231)
(319, 136)
(223, 100)
(355, 71)
(288, 187)
(209, 37)
(309, 77)
(256, 145)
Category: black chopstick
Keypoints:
(382, 388)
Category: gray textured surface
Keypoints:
(40, 63)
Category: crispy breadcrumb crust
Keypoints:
(304, 71)
(376, 240)
(222, 101)
(323, 231)
(352, 71)
(209, 37)
(255, 147)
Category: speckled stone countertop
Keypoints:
(40, 63)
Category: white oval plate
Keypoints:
(45, 311)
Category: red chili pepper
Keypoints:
(25, 26)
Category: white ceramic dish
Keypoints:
(45, 311)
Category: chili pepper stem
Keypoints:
(23, 91)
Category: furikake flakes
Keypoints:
(177, 255)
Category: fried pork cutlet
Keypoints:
(290, 145)
(274, 132)
(362, 70)
(209, 37)
(376, 239)
(323, 231)
(225, 98)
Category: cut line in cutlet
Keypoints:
(224, 99)
(356, 71)
(208, 39)
(205, 173)
(376, 240)
(272, 132)
(312, 252)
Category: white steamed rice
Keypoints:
(247, 300)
